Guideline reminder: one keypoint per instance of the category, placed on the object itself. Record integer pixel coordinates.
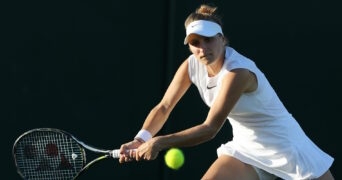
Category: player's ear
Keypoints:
(224, 39)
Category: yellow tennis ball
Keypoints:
(174, 158)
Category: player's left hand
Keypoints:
(148, 150)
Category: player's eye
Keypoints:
(209, 39)
(194, 43)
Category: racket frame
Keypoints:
(106, 153)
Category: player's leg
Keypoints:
(326, 176)
(227, 167)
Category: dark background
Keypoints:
(96, 68)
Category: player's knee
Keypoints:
(326, 176)
(226, 167)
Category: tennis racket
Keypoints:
(53, 154)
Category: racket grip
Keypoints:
(116, 153)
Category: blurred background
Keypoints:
(96, 68)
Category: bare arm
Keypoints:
(159, 114)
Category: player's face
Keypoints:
(207, 49)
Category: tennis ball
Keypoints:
(174, 158)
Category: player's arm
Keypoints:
(159, 114)
(234, 84)
(177, 88)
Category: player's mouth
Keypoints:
(206, 56)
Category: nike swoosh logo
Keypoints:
(194, 25)
(210, 87)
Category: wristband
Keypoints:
(143, 135)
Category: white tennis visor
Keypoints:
(203, 28)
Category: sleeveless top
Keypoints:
(265, 134)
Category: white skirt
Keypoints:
(294, 159)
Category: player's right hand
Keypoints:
(127, 151)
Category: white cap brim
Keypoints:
(203, 28)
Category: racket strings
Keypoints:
(48, 155)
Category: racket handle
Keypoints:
(116, 153)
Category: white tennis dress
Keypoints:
(265, 134)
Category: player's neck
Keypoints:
(215, 67)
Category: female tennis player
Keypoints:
(267, 140)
